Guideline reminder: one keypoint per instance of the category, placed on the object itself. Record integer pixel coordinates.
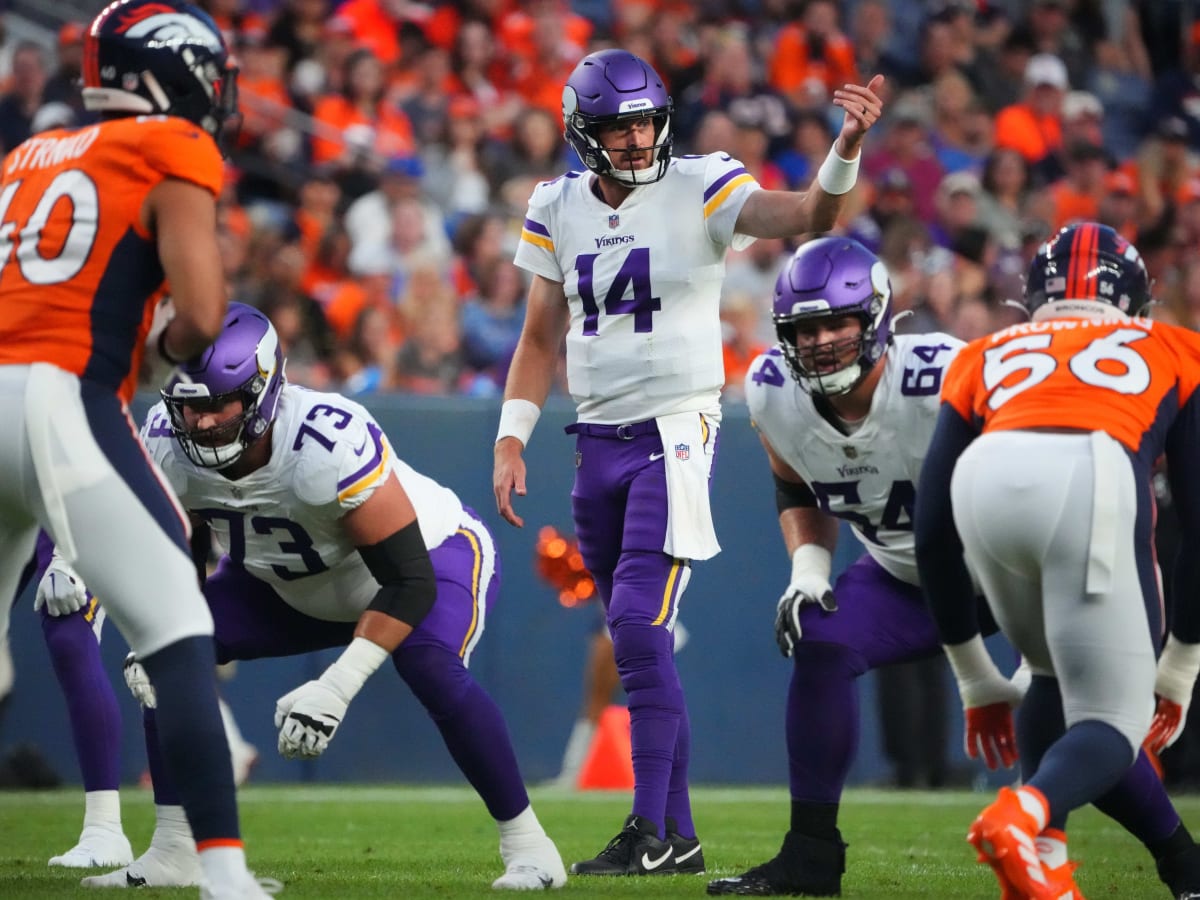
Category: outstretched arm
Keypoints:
(779, 214)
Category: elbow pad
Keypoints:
(791, 494)
(401, 565)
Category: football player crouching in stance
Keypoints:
(330, 540)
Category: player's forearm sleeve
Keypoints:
(943, 572)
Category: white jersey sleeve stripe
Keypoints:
(376, 466)
(711, 205)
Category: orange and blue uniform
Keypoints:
(79, 288)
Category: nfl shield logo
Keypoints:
(850, 452)
(614, 221)
(682, 451)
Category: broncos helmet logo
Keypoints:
(168, 26)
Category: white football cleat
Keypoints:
(246, 888)
(174, 866)
(98, 846)
(534, 865)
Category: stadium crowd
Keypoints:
(375, 195)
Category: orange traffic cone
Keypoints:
(609, 762)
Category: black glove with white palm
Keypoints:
(309, 716)
(811, 568)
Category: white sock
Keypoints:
(524, 824)
(223, 865)
(171, 826)
(102, 809)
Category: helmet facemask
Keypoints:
(244, 363)
(608, 88)
(833, 280)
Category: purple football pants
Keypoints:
(253, 622)
(619, 505)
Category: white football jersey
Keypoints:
(643, 282)
(283, 522)
(868, 478)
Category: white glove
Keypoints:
(138, 682)
(61, 590)
(309, 716)
(811, 566)
(1177, 669)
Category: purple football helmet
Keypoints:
(827, 278)
(245, 362)
(612, 86)
(1089, 267)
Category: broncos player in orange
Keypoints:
(1038, 477)
(96, 225)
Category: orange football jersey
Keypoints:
(1127, 377)
(79, 275)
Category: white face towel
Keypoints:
(689, 444)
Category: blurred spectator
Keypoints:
(63, 84)
(304, 334)
(298, 28)
(812, 58)
(1187, 224)
(544, 40)
(1067, 29)
(24, 95)
(455, 179)
(892, 199)
(427, 100)
(870, 32)
(742, 316)
(367, 362)
(270, 150)
(1164, 164)
(1005, 184)
(369, 219)
(355, 130)
(962, 131)
(906, 146)
(1082, 123)
(537, 150)
(431, 358)
(1033, 126)
(800, 160)
(1119, 204)
(957, 202)
(752, 273)
(1075, 197)
(376, 24)
(491, 321)
(730, 77)
(751, 143)
(480, 243)
(478, 71)
(1006, 64)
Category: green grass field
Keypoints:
(341, 841)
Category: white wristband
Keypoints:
(837, 175)
(971, 661)
(1177, 669)
(351, 670)
(811, 559)
(517, 418)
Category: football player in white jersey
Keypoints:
(846, 410)
(627, 261)
(330, 541)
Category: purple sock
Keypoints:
(1139, 803)
(470, 723)
(648, 674)
(679, 802)
(822, 700)
(91, 702)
